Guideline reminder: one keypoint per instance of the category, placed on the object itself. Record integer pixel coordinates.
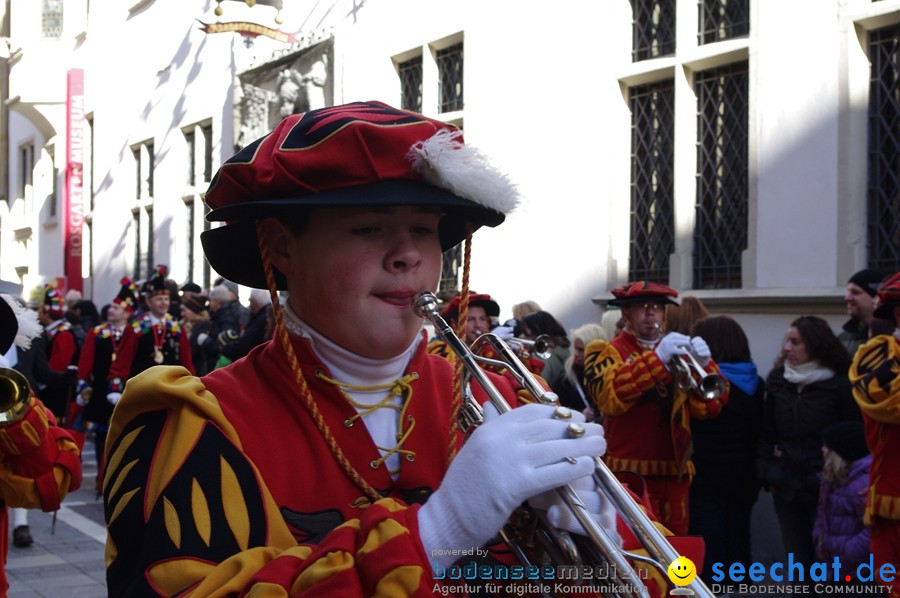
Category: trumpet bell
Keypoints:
(14, 395)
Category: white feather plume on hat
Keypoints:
(27, 319)
(445, 162)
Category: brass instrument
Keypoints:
(559, 546)
(14, 395)
(541, 347)
(689, 375)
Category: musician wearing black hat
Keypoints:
(39, 461)
(647, 415)
(156, 338)
(327, 461)
(101, 349)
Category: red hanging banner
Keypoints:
(73, 193)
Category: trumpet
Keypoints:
(559, 546)
(690, 375)
(541, 347)
(14, 396)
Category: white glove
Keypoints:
(671, 345)
(80, 400)
(113, 397)
(201, 338)
(701, 351)
(596, 503)
(504, 332)
(508, 459)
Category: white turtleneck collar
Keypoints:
(346, 366)
(349, 368)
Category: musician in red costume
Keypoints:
(647, 416)
(39, 461)
(326, 462)
(61, 347)
(875, 375)
(101, 350)
(156, 338)
(482, 309)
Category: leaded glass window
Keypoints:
(720, 232)
(884, 150)
(410, 72)
(450, 72)
(653, 29)
(652, 181)
(723, 19)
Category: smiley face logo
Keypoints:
(682, 571)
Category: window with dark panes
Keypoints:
(410, 72)
(450, 73)
(883, 192)
(652, 238)
(150, 240)
(26, 168)
(189, 213)
(722, 19)
(51, 18)
(207, 152)
(720, 230)
(136, 228)
(151, 167)
(653, 29)
(191, 141)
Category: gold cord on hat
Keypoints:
(398, 388)
(305, 393)
(457, 395)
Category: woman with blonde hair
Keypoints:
(570, 384)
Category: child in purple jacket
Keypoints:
(839, 529)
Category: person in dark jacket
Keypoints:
(807, 391)
(839, 530)
(725, 487)
(196, 321)
(225, 314)
(258, 328)
(860, 300)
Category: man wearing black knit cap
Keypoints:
(860, 300)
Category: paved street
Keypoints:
(68, 560)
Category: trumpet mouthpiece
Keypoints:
(426, 303)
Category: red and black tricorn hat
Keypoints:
(888, 298)
(353, 155)
(643, 292)
(451, 310)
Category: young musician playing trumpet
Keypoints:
(647, 415)
(327, 461)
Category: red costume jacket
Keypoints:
(225, 483)
(140, 343)
(62, 348)
(647, 418)
(875, 375)
(101, 349)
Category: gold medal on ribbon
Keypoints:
(157, 355)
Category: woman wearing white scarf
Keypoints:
(806, 391)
